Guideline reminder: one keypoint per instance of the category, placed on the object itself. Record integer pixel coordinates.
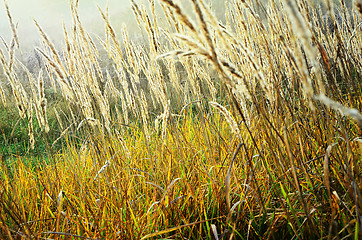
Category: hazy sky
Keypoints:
(51, 13)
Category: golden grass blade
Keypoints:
(177, 228)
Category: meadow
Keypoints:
(244, 127)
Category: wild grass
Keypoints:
(245, 129)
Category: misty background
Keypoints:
(50, 15)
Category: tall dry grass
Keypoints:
(246, 129)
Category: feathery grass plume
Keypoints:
(144, 103)
(205, 31)
(12, 25)
(136, 11)
(43, 103)
(149, 29)
(117, 55)
(305, 36)
(11, 54)
(88, 46)
(19, 98)
(112, 89)
(183, 18)
(345, 111)
(304, 32)
(192, 73)
(155, 23)
(51, 46)
(131, 58)
(86, 107)
(229, 118)
(68, 50)
(74, 118)
(156, 81)
(64, 85)
(170, 18)
(126, 90)
(18, 91)
(196, 47)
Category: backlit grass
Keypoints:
(244, 129)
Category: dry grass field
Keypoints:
(245, 127)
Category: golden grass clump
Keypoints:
(245, 127)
